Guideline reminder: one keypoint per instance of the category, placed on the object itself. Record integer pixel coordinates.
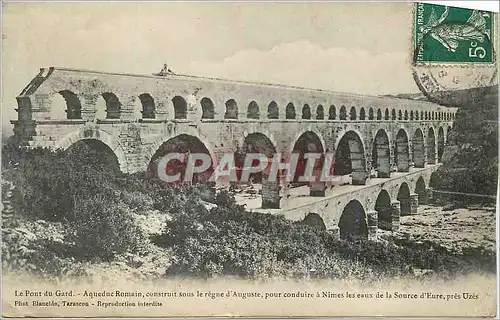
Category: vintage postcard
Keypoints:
(253, 159)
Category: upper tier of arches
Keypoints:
(59, 93)
(67, 105)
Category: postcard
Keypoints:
(252, 159)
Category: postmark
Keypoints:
(446, 34)
(453, 55)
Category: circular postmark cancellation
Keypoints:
(454, 61)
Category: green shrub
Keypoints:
(102, 229)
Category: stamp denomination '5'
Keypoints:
(448, 34)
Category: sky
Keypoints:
(348, 47)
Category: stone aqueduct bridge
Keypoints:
(138, 117)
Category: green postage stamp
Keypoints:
(449, 34)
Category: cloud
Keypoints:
(306, 64)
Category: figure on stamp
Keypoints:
(449, 34)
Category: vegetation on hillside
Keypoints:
(74, 209)
(470, 162)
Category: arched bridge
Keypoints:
(139, 117)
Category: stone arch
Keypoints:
(306, 112)
(71, 108)
(290, 111)
(350, 157)
(379, 114)
(314, 220)
(253, 110)
(421, 115)
(352, 113)
(431, 146)
(386, 115)
(208, 108)
(95, 134)
(381, 156)
(343, 113)
(273, 111)
(370, 114)
(406, 115)
(420, 190)
(384, 210)
(113, 105)
(418, 149)
(433, 115)
(416, 115)
(148, 106)
(253, 143)
(402, 152)
(426, 115)
(393, 114)
(352, 222)
(332, 113)
(184, 144)
(404, 199)
(400, 115)
(320, 113)
(362, 114)
(411, 115)
(440, 145)
(180, 107)
(307, 142)
(101, 156)
(231, 109)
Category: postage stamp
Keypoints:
(449, 34)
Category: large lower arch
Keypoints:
(431, 146)
(96, 134)
(185, 145)
(404, 199)
(440, 145)
(352, 222)
(350, 158)
(402, 153)
(101, 156)
(381, 156)
(420, 191)
(418, 149)
(383, 208)
(308, 142)
(253, 144)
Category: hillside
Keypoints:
(471, 156)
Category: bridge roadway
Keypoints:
(403, 189)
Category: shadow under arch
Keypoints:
(185, 145)
(96, 134)
(352, 222)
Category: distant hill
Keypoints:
(470, 160)
(455, 98)
(412, 96)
